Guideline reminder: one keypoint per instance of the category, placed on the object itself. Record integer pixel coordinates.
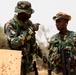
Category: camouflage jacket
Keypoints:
(59, 42)
(14, 30)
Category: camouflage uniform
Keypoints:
(57, 44)
(21, 36)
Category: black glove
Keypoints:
(44, 59)
(35, 27)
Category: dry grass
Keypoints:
(42, 68)
(3, 39)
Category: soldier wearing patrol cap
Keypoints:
(20, 33)
(63, 40)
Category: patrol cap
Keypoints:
(62, 15)
(24, 6)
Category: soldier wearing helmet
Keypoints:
(20, 33)
(63, 41)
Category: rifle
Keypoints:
(35, 68)
(66, 61)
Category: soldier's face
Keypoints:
(24, 16)
(61, 24)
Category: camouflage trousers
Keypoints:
(26, 68)
(23, 71)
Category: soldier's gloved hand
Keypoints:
(35, 27)
(44, 59)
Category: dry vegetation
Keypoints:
(3, 39)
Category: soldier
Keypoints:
(64, 41)
(20, 33)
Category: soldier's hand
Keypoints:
(44, 59)
(35, 26)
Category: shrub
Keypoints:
(3, 39)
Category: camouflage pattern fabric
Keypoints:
(58, 41)
(24, 6)
(21, 37)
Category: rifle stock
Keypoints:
(63, 62)
(66, 61)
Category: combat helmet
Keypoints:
(24, 6)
